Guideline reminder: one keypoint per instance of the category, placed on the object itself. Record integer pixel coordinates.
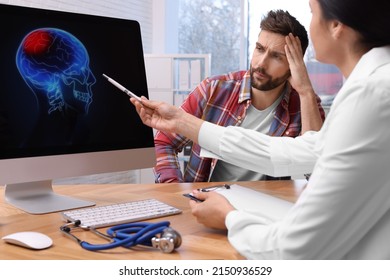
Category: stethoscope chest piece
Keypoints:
(169, 240)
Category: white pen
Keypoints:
(122, 88)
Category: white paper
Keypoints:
(252, 201)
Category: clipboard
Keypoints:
(256, 202)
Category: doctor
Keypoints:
(344, 212)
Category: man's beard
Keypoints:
(272, 83)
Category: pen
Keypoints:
(122, 88)
(191, 196)
(213, 188)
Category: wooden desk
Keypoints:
(198, 242)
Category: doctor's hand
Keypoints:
(167, 118)
(212, 211)
(158, 115)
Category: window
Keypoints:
(211, 27)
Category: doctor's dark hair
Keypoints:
(370, 18)
(281, 22)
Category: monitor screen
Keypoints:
(59, 117)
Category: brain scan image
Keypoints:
(55, 65)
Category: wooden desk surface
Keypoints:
(198, 243)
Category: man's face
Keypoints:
(269, 66)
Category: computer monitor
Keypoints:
(59, 117)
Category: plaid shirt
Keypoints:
(222, 100)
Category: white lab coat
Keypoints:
(344, 213)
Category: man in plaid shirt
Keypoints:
(274, 97)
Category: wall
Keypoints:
(140, 10)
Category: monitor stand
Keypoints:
(39, 198)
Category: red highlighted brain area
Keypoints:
(37, 43)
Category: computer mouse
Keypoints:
(29, 239)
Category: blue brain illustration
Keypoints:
(54, 63)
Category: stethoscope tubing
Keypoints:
(128, 235)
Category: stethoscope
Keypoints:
(157, 235)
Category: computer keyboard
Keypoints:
(120, 213)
